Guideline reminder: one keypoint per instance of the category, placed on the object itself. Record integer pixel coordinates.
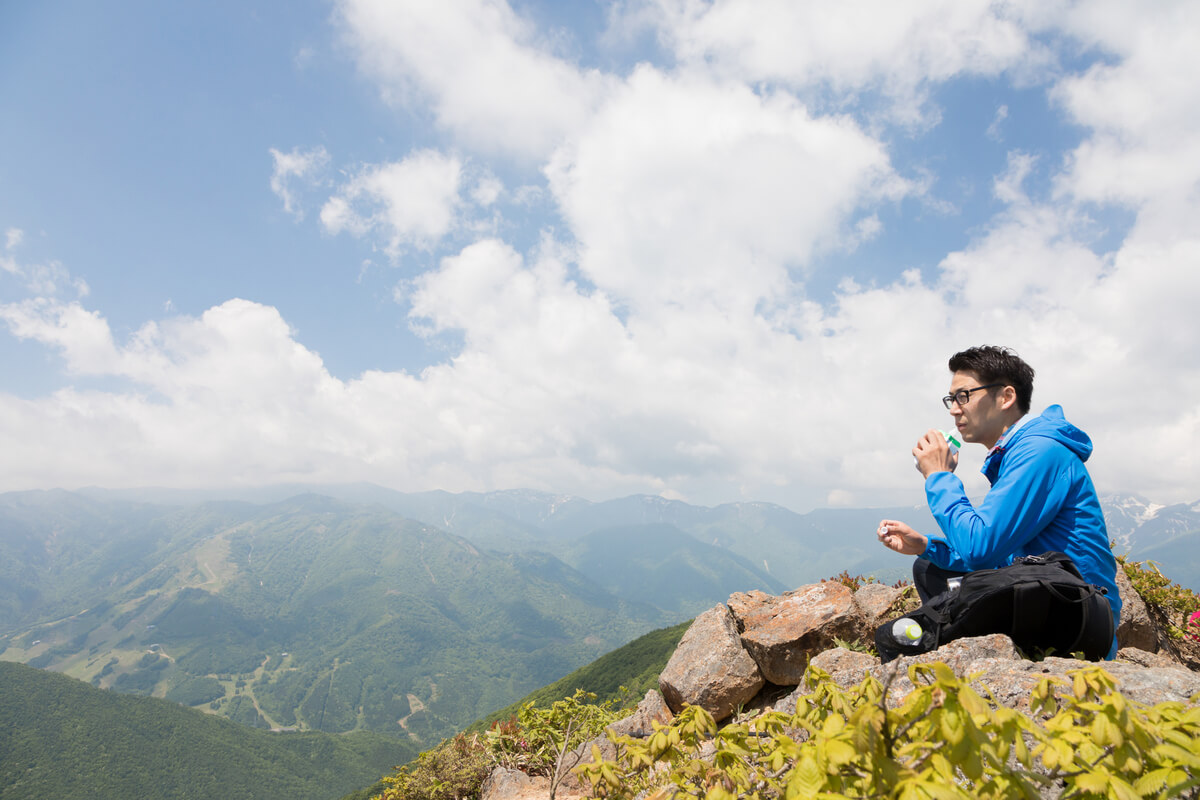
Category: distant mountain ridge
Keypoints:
(411, 614)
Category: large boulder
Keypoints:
(710, 668)
(782, 632)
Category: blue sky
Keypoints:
(714, 250)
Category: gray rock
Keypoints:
(782, 633)
(1143, 658)
(1136, 628)
(875, 600)
(652, 708)
(999, 669)
(710, 668)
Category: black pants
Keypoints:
(930, 579)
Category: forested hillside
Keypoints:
(60, 737)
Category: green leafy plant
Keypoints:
(945, 740)
(451, 771)
(1173, 602)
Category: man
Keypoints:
(1041, 495)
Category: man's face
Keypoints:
(980, 419)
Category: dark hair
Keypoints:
(997, 365)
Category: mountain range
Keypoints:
(360, 608)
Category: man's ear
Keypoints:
(1008, 397)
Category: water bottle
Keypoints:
(907, 631)
(951, 438)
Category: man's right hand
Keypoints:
(895, 535)
(933, 454)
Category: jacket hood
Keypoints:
(1050, 425)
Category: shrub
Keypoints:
(535, 741)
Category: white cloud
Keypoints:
(895, 47)
(487, 190)
(410, 202)
(686, 191)
(299, 165)
(483, 69)
(1143, 107)
(46, 279)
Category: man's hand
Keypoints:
(897, 536)
(933, 454)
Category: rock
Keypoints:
(875, 600)
(1000, 670)
(1143, 658)
(781, 633)
(710, 668)
(651, 708)
(1136, 628)
(511, 784)
(846, 667)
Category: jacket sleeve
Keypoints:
(1029, 492)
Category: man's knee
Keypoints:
(930, 579)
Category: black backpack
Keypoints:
(1041, 602)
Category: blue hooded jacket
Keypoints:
(1041, 499)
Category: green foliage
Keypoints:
(943, 741)
(535, 741)
(537, 738)
(1172, 602)
(454, 769)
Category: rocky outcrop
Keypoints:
(782, 635)
(749, 653)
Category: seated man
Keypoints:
(1041, 495)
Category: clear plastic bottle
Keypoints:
(907, 630)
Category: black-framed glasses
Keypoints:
(963, 396)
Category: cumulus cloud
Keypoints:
(297, 165)
(849, 47)
(411, 202)
(487, 74)
(719, 188)
(1142, 107)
